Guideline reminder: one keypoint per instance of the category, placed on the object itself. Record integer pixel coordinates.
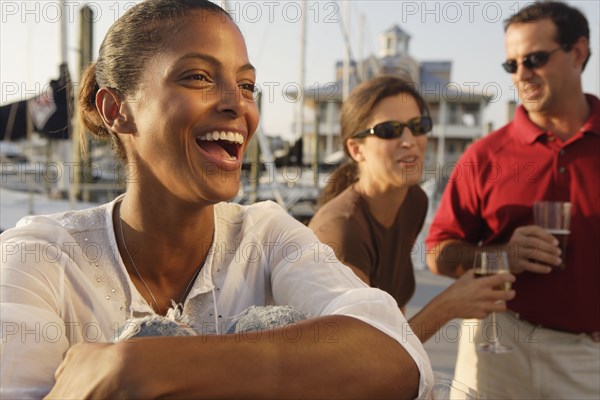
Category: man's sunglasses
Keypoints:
(533, 60)
(393, 129)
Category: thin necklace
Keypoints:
(187, 289)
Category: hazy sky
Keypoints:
(468, 33)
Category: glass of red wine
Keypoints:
(486, 263)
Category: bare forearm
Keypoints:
(330, 357)
(467, 297)
(430, 319)
(451, 258)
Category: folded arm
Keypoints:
(334, 356)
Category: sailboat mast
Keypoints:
(302, 78)
(346, 71)
(360, 61)
(63, 32)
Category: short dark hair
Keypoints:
(570, 23)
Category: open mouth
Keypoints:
(409, 160)
(222, 144)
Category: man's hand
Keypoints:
(531, 248)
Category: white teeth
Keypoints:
(223, 135)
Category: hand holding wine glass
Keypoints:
(486, 263)
(555, 217)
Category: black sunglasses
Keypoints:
(533, 60)
(393, 129)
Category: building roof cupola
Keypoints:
(394, 42)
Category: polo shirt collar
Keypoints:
(592, 125)
(529, 132)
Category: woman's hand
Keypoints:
(88, 371)
(468, 297)
(471, 297)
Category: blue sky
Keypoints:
(468, 33)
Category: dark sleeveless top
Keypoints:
(384, 254)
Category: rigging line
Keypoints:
(348, 47)
(373, 60)
(263, 41)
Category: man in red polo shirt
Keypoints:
(550, 151)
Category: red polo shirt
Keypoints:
(491, 193)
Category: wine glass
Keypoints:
(486, 263)
(445, 388)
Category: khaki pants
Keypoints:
(544, 363)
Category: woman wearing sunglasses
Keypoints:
(373, 208)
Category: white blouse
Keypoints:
(63, 281)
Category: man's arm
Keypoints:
(328, 357)
(531, 248)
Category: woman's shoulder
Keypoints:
(344, 211)
(234, 212)
(44, 245)
(53, 227)
(253, 216)
(343, 205)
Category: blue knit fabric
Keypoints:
(252, 319)
(268, 317)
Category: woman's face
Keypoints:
(194, 112)
(390, 163)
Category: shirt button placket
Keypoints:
(561, 167)
(563, 178)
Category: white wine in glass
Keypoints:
(487, 263)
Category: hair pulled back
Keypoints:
(356, 114)
(131, 42)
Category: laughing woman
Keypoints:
(373, 208)
(173, 90)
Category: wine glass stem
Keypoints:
(494, 329)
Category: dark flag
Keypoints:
(13, 121)
(50, 112)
